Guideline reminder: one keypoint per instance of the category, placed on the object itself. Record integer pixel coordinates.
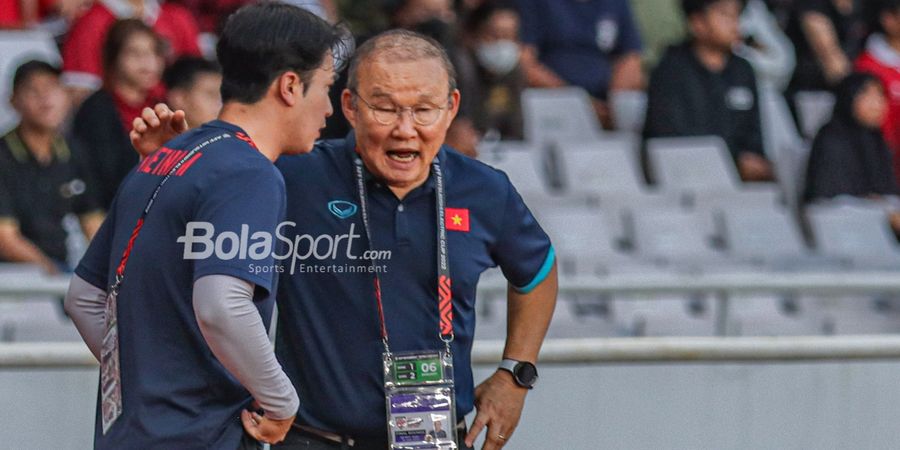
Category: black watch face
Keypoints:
(526, 373)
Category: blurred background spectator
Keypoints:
(700, 87)
(40, 183)
(192, 85)
(493, 44)
(82, 52)
(593, 44)
(133, 62)
(849, 156)
(827, 35)
(882, 58)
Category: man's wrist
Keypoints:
(524, 373)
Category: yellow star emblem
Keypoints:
(456, 220)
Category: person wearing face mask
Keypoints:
(849, 156)
(493, 31)
(438, 20)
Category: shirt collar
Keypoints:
(21, 153)
(882, 51)
(217, 123)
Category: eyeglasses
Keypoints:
(421, 115)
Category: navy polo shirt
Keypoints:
(175, 394)
(580, 39)
(328, 332)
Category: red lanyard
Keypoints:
(120, 270)
(444, 293)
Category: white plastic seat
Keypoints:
(692, 163)
(860, 232)
(675, 236)
(814, 109)
(558, 114)
(523, 168)
(607, 165)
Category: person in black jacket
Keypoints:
(849, 155)
(701, 88)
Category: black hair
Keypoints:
(875, 8)
(31, 68)
(118, 36)
(846, 92)
(183, 73)
(264, 40)
(483, 13)
(691, 7)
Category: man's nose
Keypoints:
(405, 128)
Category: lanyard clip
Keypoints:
(447, 340)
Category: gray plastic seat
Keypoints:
(523, 167)
(675, 236)
(860, 232)
(584, 239)
(607, 165)
(814, 109)
(762, 234)
(559, 114)
(692, 163)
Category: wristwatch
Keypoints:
(524, 372)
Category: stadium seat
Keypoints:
(16, 47)
(584, 239)
(784, 145)
(692, 163)
(772, 240)
(629, 109)
(606, 165)
(674, 236)
(813, 110)
(859, 231)
(558, 114)
(525, 167)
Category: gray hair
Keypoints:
(400, 46)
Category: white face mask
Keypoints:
(499, 58)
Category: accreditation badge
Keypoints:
(110, 377)
(420, 400)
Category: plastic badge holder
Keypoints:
(420, 401)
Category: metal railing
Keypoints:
(576, 351)
(592, 350)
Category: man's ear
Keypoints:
(290, 87)
(454, 104)
(347, 106)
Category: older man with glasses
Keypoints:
(391, 231)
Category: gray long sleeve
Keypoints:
(234, 331)
(86, 305)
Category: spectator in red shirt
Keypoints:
(82, 68)
(133, 64)
(882, 59)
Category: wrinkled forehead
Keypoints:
(398, 79)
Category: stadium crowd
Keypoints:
(728, 68)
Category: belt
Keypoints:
(327, 436)
(342, 439)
